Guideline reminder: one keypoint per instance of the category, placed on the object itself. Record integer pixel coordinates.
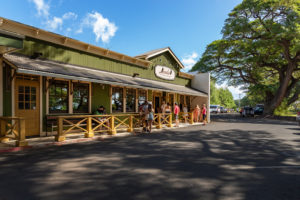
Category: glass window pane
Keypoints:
(33, 97)
(27, 97)
(130, 100)
(142, 97)
(117, 99)
(21, 89)
(80, 98)
(21, 105)
(21, 97)
(33, 106)
(27, 89)
(58, 97)
(27, 105)
(33, 90)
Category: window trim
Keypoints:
(70, 101)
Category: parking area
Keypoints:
(231, 158)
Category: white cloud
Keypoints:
(54, 23)
(69, 15)
(42, 7)
(189, 61)
(57, 22)
(102, 27)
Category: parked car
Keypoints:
(298, 118)
(214, 108)
(223, 110)
(247, 111)
(258, 110)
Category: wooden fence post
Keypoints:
(170, 121)
(191, 118)
(112, 125)
(60, 137)
(159, 121)
(3, 130)
(89, 128)
(21, 142)
(130, 123)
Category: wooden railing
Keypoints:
(161, 119)
(186, 117)
(13, 128)
(90, 124)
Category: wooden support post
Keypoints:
(89, 128)
(60, 137)
(170, 121)
(21, 142)
(130, 123)
(191, 118)
(159, 126)
(3, 131)
(112, 125)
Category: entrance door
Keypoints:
(157, 102)
(27, 102)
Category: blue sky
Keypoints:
(131, 27)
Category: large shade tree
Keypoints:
(260, 49)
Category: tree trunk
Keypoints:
(280, 93)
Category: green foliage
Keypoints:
(221, 96)
(260, 50)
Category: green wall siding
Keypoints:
(100, 97)
(11, 41)
(63, 54)
(7, 106)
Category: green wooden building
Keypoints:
(44, 74)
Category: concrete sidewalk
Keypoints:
(41, 142)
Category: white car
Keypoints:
(214, 108)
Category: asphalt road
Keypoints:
(231, 158)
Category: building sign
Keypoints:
(164, 72)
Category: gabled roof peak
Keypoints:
(156, 52)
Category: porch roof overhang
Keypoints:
(74, 72)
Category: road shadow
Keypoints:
(186, 163)
(236, 118)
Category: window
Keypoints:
(117, 99)
(26, 98)
(80, 98)
(142, 97)
(58, 96)
(130, 99)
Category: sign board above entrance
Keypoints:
(164, 72)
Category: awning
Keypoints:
(62, 70)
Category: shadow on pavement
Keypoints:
(178, 164)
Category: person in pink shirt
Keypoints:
(176, 113)
(204, 114)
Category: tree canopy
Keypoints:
(260, 49)
(221, 96)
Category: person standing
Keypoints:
(204, 114)
(150, 117)
(145, 115)
(185, 113)
(176, 113)
(196, 113)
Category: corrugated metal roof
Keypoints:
(56, 69)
